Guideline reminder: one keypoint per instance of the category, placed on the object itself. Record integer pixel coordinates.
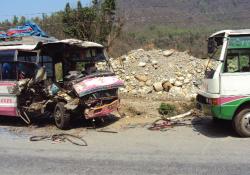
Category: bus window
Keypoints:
(7, 56)
(26, 70)
(237, 60)
(27, 56)
(59, 72)
(8, 71)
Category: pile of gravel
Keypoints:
(158, 73)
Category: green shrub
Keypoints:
(166, 109)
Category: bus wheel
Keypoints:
(61, 116)
(241, 123)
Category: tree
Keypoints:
(95, 2)
(67, 8)
(109, 5)
(95, 23)
(22, 20)
(15, 20)
(79, 5)
(78, 22)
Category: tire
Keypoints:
(241, 123)
(61, 116)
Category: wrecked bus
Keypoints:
(226, 88)
(58, 78)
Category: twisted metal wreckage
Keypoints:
(59, 78)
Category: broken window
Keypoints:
(26, 70)
(8, 71)
(8, 68)
(90, 54)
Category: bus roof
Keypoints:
(28, 43)
(231, 32)
(35, 43)
(76, 43)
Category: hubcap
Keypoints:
(246, 122)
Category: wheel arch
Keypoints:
(243, 105)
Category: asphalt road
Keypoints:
(201, 149)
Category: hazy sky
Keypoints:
(31, 8)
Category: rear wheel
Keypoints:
(241, 123)
(61, 116)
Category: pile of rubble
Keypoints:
(166, 73)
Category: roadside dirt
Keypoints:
(134, 113)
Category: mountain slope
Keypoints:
(188, 13)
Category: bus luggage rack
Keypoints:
(7, 39)
(26, 40)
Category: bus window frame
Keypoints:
(15, 62)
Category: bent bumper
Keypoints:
(205, 109)
(208, 107)
(102, 110)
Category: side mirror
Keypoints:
(211, 47)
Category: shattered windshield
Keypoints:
(214, 52)
(84, 63)
(214, 47)
(89, 54)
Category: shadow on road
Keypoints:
(12, 121)
(47, 121)
(96, 124)
(207, 127)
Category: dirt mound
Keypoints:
(160, 74)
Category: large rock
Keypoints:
(168, 53)
(172, 80)
(149, 83)
(180, 78)
(178, 83)
(127, 78)
(158, 87)
(146, 90)
(167, 86)
(176, 91)
(141, 84)
(142, 64)
(154, 62)
(141, 78)
(186, 81)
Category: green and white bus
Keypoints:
(225, 93)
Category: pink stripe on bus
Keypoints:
(224, 100)
(8, 111)
(7, 84)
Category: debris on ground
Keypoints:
(107, 131)
(180, 116)
(166, 123)
(59, 138)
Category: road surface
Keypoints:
(202, 149)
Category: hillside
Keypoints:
(188, 13)
(179, 24)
